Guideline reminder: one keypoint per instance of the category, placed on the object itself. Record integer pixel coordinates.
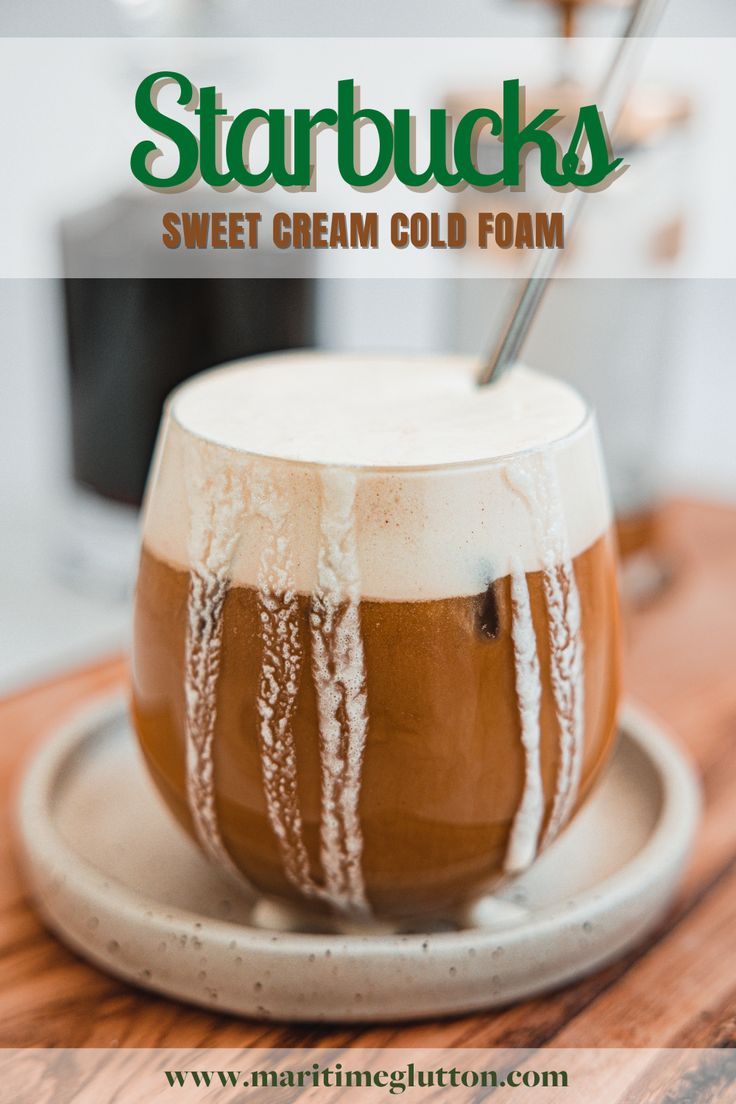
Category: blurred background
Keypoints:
(86, 363)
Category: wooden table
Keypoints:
(677, 990)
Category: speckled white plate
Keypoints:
(119, 882)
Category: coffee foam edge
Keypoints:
(420, 534)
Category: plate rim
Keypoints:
(666, 850)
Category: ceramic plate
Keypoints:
(117, 880)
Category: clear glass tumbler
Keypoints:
(375, 691)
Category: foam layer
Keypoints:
(297, 423)
(374, 412)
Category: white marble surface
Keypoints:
(47, 626)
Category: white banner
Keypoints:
(552, 1076)
(69, 202)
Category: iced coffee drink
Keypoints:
(376, 639)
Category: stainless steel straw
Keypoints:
(612, 97)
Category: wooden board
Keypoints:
(677, 990)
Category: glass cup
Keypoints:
(375, 692)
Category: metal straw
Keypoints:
(612, 97)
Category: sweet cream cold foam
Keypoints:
(431, 517)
